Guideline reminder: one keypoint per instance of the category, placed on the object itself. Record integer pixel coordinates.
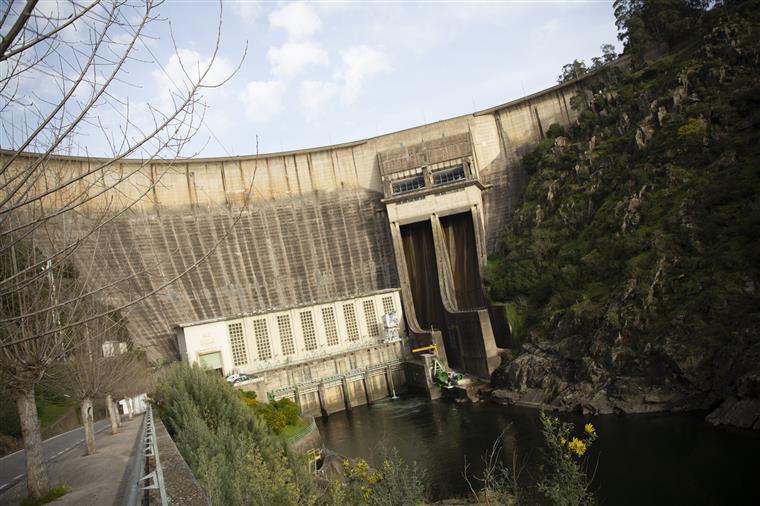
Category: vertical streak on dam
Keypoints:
(460, 239)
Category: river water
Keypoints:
(639, 459)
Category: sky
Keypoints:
(311, 74)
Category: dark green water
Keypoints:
(642, 459)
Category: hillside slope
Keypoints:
(632, 267)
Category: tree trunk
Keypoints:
(89, 426)
(129, 408)
(36, 471)
(112, 415)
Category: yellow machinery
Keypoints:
(313, 455)
(441, 377)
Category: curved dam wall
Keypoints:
(314, 228)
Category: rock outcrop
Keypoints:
(632, 265)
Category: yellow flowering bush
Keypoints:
(564, 479)
(394, 483)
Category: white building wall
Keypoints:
(196, 339)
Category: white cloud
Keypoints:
(548, 29)
(184, 68)
(314, 94)
(247, 10)
(300, 20)
(262, 99)
(291, 57)
(360, 63)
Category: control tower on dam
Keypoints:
(311, 249)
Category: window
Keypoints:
(349, 313)
(211, 361)
(309, 335)
(328, 318)
(286, 334)
(408, 185)
(448, 175)
(262, 339)
(370, 316)
(388, 306)
(237, 342)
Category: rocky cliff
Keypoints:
(632, 268)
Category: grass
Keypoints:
(50, 412)
(292, 430)
(53, 494)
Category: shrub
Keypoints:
(694, 128)
(235, 457)
(563, 478)
(394, 484)
(555, 130)
(276, 414)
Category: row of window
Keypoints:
(285, 329)
(440, 176)
(448, 175)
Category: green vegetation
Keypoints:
(563, 474)
(235, 457)
(640, 225)
(52, 494)
(393, 484)
(50, 407)
(239, 459)
(578, 68)
(562, 478)
(290, 431)
(281, 416)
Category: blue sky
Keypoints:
(330, 72)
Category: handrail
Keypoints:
(150, 449)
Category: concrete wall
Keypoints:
(341, 381)
(314, 229)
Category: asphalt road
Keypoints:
(13, 466)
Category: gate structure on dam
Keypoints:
(433, 197)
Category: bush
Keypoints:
(694, 128)
(394, 484)
(234, 455)
(555, 130)
(563, 478)
(276, 414)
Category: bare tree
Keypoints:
(23, 366)
(100, 362)
(79, 53)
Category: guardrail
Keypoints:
(149, 448)
(303, 432)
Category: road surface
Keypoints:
(13, 466)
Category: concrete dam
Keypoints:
(327, 244)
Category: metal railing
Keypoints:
(149, 448)
(308, 429)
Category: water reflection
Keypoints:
(644, 459)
